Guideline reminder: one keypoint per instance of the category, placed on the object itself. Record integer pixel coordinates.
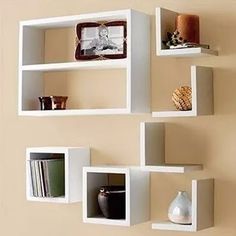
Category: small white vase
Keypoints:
(180, 209)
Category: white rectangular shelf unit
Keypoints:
(136, 64)
(152, 150)
(165, 22)
(202, 95)
(137, 195)
(202, 209)
(75, 158)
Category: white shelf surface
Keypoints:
(165, 22)
(47, 199)
(137, 62)
(202, 209)
(173, 168)
(75, 159)
(71, 112)
(152, 151)
(167, 225)
(103, 221)
(202, 95)
(173, 113)
(187, 52)
(136, 198)
(78, 65)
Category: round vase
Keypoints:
(111, 200)
(180, 209)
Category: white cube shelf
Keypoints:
(165, 22)
(152, 150)
(137, 63)
(202, 208)
(202, 95)
(75, 158)
(137, 195)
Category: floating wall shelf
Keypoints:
(202, 94)
(75, 158)
(32, 65)
(152, 150)
(137, 194)
(202, 208)
(165, 22)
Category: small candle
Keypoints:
(188, 27)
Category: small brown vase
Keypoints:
(111, 200)
(59, 102)
(53, 102)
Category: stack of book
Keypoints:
(47, 177)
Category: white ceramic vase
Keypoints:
(180, 209)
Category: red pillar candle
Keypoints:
(188, 27)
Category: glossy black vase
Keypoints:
(111, 200)
(45, 103)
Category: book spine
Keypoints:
(56, 177)
(45, 176)
(38, 178)
(41, 178)
(33, 178)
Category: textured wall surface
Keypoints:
(209, 140)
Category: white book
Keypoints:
(33, 178)
(36, 163)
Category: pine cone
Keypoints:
(182, 98)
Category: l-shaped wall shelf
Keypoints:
(165, 22)
(75, 158)
(202, 208)
(136, 197)
(152, 150)
(202, 95)
(32, 64)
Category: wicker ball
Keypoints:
(182, 98)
